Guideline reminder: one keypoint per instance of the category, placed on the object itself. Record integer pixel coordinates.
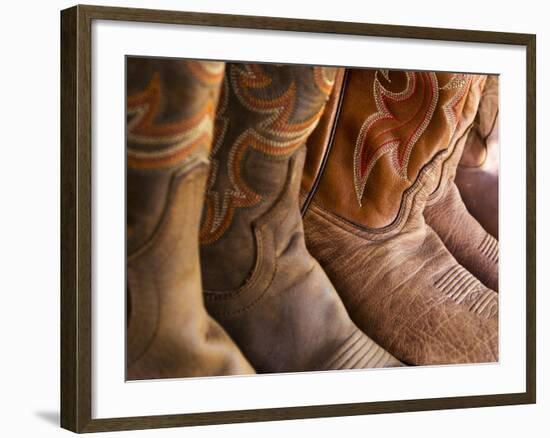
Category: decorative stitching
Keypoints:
(368, 150)
(457, 82)
(449, 167)
(489, 248)
(266, 260)
(408, 200)
(207, 72)
(366, 154)
(463, 288)
(365, 351)
(168, 143)
(343, 349)
(324, 78)
(221, 314)
(276, 135)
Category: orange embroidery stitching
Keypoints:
(276, 135)
(208, 72)
(176, 139)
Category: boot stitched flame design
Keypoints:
(166, 143)
(279, 133)
(400, 120)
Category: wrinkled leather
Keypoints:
(170, 121)
(446, 213)
(170, 112)
(477, 173)
(466, 239)
(407, 292)
(260, 282)
(397, 279)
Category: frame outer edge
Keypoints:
(76, 224)
(84, 217)
(531, 217)
(68, 350)
(76, 249)
(303, 25)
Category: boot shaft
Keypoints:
(170, 116)
(392, 140)
(479, 163)
(265, 115)
(170, 109)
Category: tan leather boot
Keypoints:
(363, 220)
(477, 173)
(260, 282)
(446, 213)
(170, 109)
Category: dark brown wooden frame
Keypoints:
(76, 168)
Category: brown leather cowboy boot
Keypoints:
(446, 213)
(477, 172)
(363, 219)
(170, 109)
(260, 282)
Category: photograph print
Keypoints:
(292, 218)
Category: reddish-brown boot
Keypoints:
(393, 139)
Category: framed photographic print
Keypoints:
(267, 218)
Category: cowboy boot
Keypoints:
(260, 282)
(478, 167)
(446, 213)
(170, 108)
(363, 217)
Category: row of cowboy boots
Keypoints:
(375, 286)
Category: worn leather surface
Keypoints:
(394, 140)
(265, 113)
(170, 334)
(260, 282)
(318, 141)
(170, 113)
(446, 213)
(170, 122)
(466, 239)
(407, 292)
(477, 173)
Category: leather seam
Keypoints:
(255, 301)
(190, 169)
(444, 178)
(317, 181)
(407, 205)
(261, 266)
